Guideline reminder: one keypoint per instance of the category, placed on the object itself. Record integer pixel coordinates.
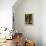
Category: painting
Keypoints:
(28, 19)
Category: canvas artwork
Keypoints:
(28, 19)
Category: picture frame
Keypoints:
(28, 19)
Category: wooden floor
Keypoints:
(9, 43)
(16, 41)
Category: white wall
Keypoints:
(43, 22)
(6, 13)
(29, 31)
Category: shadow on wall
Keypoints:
(38, 42)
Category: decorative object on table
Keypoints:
(28, 19)
(29, 43)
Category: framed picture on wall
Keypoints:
(28, 19)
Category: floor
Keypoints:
(9, 43)
(16, 41)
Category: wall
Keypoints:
(29, 31)
(43, 22)
(6, 13)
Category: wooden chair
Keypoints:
(18, 37)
